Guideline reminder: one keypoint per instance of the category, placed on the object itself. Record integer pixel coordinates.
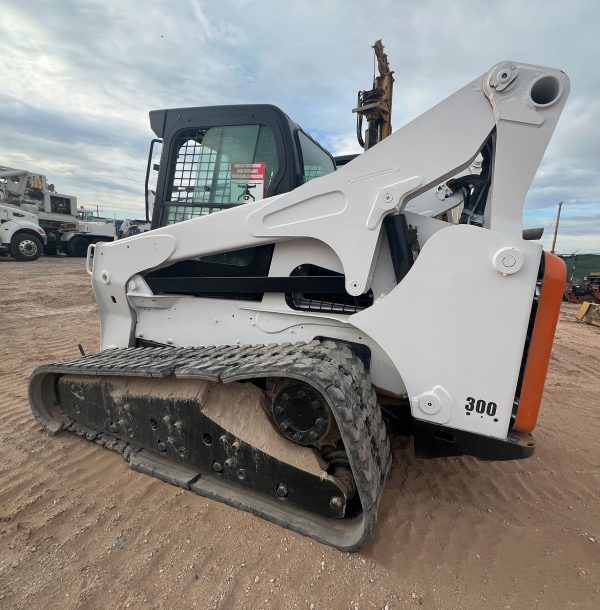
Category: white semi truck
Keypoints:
(67, 229)
(20, 234)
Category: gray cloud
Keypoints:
(79, 77)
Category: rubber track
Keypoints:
(331, 367)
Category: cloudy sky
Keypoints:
(77, 79)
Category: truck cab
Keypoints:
(85, 215)
(20, 234)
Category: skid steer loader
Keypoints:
(248, 355)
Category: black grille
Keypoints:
(60, 205)
(195, 167)
(532, 315)
(327, 303)
(200, 174)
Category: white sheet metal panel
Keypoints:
(457, 322)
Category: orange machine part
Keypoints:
(540, 347)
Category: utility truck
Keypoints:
(20, 234)
(67, 229)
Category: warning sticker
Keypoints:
(248, 181)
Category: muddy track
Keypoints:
(79, 529)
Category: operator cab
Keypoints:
(217, 157)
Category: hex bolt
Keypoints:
(336, 503)
(388, 198)
(131, 286)
(217, 466)
(281, 491)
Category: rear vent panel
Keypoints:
(326, 303)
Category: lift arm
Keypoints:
(515, 106)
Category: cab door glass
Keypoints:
(217, 168)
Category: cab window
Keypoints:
(315, 161)
(219, 167)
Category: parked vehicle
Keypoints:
(68, 229)
(20, 234)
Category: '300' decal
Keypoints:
(480, 406)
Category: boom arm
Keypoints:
(15, 187)
(517, 104)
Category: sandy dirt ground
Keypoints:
(79, 529)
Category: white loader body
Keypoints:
(262, 355)
(483, 277)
